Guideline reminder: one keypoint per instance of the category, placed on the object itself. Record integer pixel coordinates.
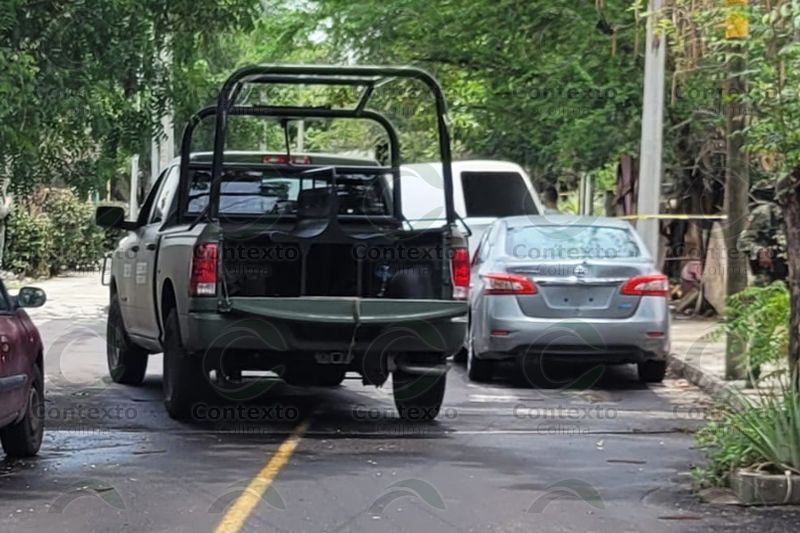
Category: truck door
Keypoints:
(143, 269)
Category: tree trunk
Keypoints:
(791, 209)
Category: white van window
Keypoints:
(496, 194)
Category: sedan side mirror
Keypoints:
(31, 297)
(111, 216)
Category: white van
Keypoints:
(483, 192)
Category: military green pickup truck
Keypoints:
(297, 263)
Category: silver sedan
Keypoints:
(566, 288)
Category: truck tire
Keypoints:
(418, 398)
(652, 371)
(127, 363)
(24, 438)
(184, 382)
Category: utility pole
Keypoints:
(737, 171)
(650, 165)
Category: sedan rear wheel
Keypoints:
(24, 438)
(479, 370)
(652, 371)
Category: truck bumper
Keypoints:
(351, 325)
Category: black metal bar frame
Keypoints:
(278, 112)
(366, 76)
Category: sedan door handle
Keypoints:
(151, 246)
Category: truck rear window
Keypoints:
(496, 194)
(265, 192)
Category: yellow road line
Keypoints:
(241, 509)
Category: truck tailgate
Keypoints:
(339, 310)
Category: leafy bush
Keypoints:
(29, 243)
(758, 317)
(772, 429)
(51, 232)
(763, 433)
(77, 241)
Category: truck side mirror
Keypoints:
(111, 216)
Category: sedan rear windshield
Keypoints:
(267, 192)
(496, 194)
(564, 242)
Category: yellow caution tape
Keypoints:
(675, 216)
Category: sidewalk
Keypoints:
(697, 354)
(75, 296)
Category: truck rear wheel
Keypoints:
(127, 363)
(184, 382)
(418, 398)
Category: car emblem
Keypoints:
(580, 271)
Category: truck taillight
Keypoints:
(650, 285)
(508, 284)
(460, 271)
(203, 281)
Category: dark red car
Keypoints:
(21, 373)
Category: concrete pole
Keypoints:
(133, 200)
(650, 166)
(163, 147)
(301, 136)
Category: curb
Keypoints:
(712, 385)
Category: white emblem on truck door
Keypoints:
(141, 273)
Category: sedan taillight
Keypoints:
(460, 272)
(203, 281)
(508, 284)
(650, 285)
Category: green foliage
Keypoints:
(758, 318)
(82, 81)
(759, 433)
(553, 86)
(78, 242)
(726, 450)
(29, 243)
(54, 231)
(772, 429)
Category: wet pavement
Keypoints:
(504, 457)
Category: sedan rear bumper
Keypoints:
(607, 340)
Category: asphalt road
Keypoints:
(506, 457)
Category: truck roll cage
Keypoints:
(367, 77)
